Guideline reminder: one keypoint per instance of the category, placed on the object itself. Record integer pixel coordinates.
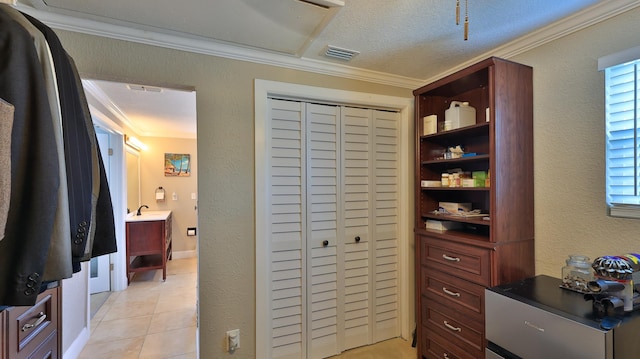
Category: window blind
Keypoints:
(622, 167)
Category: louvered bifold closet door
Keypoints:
(386, 227)
(287, 186)
(356, 169)
(323, 226)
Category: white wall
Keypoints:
(75, 312)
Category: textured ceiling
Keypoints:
(400, 42)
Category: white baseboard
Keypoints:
(78, 344)
(184, 254)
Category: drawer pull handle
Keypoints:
(528, 323)
(455, 329)
(445, 356)
(452, 259)
(37, 322)
(453, 294)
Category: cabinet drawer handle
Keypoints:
(453, 294)
(452, 259)
(455, 329)
(528, 323)
(325, 243)
(445, 356)
(37, 322)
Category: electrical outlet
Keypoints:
(233, 340)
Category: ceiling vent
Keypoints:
(143, 88)
(340, 53)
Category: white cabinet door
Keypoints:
(386, 224)
(333, 224)
(357, 199)
(287, 229)
(323, 226)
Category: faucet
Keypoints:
(139, 208)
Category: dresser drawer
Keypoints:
(468, 262)
(435, 346)
(463, 332)
(463, 297)
(30, 327)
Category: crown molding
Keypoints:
(580, 20)
(103, 99)
(215, 48)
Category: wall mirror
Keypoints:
(133, 179)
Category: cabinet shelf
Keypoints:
(471, 220)
(459, 133)
(461, 161)
(481, 189)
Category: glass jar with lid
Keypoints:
(577, 273)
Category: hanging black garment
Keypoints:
(104, 241)
(34, 168)
(77, 146)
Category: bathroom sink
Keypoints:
(148, 216)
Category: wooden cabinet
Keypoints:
(454, 266)
(32, 332)
(149, 244)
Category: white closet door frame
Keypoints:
(262, 90)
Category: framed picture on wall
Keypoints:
(177, 165)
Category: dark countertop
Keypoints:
(544, 292)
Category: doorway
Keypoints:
(151, 114)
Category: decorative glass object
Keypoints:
(577, 273)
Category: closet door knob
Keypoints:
(325, 243)
(357, 239)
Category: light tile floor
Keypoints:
(396, 348)
(151, 319)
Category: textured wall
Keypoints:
(569, 146)
(225, 164)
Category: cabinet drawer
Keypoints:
(145, 237)
(466, 299)
(435, 346)
(463, 332)
(468, 262)
(30, 327)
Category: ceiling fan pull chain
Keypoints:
(457, 12)
(466, 20)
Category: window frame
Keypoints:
(622, 132)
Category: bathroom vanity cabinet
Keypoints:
(149, 244)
